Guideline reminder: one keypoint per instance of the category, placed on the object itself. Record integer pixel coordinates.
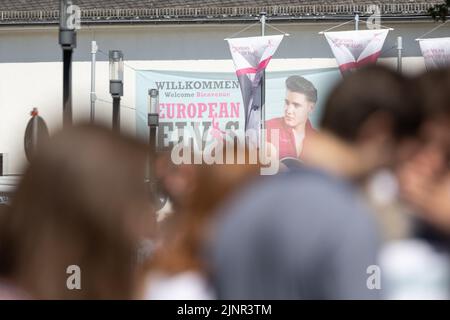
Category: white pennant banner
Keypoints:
(354, 49)
(251, 56)
(436, 52)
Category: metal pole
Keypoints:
(153, 122)
(116, 85)
(263, 93)
(116, 113)
(400, 51)
(68, 41)
(356, 21)
(67, 87)
(94, 49)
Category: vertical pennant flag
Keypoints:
(354, 49)
(436, 52)
(251, 57)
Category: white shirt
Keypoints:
(189, 285)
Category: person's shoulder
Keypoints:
(274, 123)
(302, 173)
(314, 185)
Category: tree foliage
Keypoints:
(440, 11)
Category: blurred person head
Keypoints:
(370, 121)
(425, 178)
(299, 102)
(198, 191)
(431, 89)
(81, 202)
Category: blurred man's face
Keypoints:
(425, 177)
(296, 109)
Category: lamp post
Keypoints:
(159, 198)
(116, 84)
(68, 23)
(153, 118)
(94, 49)
(153, 123)
(356, 20)
(399, 56)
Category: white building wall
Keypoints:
(31, 68)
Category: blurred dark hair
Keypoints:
(81, 202)
(432, 91)
(368, 91)
(301, 85)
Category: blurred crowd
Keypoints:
(365, 214)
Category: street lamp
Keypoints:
(116, 84)
(158, 196)
(69, 15)
(153, 123)
(153, 116)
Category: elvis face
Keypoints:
(296, 109)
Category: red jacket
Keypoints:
(286, 144)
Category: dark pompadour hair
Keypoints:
(301, 85)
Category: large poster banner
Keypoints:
(251, 56)
(436, 52)
(354, 49)
(211, 103)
